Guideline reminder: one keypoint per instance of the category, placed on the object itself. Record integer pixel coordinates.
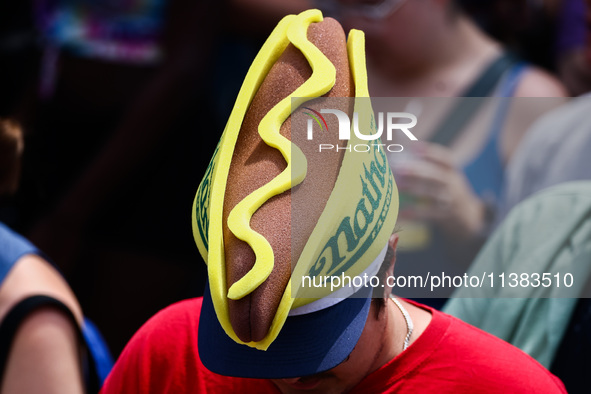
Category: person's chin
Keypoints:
(304, 385)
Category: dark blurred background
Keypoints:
(123, 103)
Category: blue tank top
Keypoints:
(486, 171)
(485, 174)
(12, 248)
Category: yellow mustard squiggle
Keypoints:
(322, 80)
(267, 56)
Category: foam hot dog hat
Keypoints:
(273, 210)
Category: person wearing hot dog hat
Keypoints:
(276, 219)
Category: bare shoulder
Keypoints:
(45, 353)
(537, 82)
(32, 275)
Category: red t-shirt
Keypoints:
(449, 357)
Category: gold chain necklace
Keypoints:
(409, 323)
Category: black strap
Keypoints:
(489, 78)
(466, 108)
(20, 312)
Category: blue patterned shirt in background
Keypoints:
(125, 31)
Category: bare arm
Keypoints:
(45, 356)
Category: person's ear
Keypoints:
(393, 241)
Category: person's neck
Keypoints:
(396, 329)
(393, 335)
(459, 51)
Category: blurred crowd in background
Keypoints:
(122, 104)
